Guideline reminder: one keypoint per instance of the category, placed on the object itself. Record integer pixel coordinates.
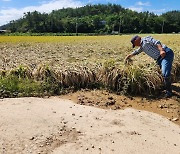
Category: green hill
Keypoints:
(96, 19)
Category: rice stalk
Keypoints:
(21, 72)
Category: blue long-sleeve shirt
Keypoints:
(149, 46)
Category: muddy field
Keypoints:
(85, 61)
(169, 108)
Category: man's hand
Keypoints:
(162, 53)
(128, 59)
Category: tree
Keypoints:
(96, 19)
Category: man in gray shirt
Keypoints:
(161, 53)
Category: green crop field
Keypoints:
(79, 62)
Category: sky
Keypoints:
(15, 9)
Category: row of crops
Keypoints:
(34, 66)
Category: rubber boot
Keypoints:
(168, 88)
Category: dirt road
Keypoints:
(59, 126)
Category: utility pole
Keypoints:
(120, 21)
(120, 25)
(76, 27)
(162, 27)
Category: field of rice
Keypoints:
(84, 62)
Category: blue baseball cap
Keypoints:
(133, 39)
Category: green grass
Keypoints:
(13, 86)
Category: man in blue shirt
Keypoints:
(159, 52)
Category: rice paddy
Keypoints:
(82, 62)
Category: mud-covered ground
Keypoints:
(170, 108)
(90, 121)
(60, 126)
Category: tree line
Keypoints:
(99, 19)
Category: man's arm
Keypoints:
(135, 52)
(162, 52)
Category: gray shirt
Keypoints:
(149, 46)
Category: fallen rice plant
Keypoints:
(46, 68)
(130, 80)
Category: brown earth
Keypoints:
(99, 122)
(169, 107)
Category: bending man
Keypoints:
(161, 53)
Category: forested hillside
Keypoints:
(96, 19)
